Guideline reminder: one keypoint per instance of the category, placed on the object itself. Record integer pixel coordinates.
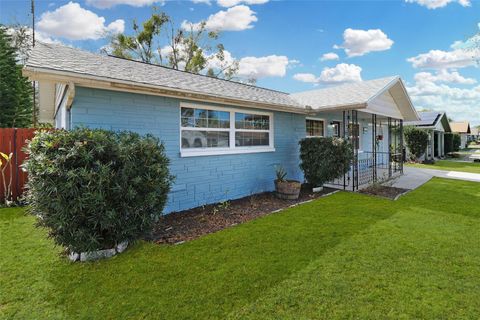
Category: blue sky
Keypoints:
(282, 42)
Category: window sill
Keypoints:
(199, 153)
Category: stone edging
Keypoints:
(99, 254)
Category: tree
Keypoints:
(416, 140)
(21, 36)
(457, 142)
(190, 48)
(15, 89)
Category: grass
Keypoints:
(343, 256)
(472, 167)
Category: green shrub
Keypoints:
(416, 140)
(324, 159)
(457, 141)
(93, 189)
(448, 142)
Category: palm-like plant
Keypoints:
(5, 163)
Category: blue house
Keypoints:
(223, 138)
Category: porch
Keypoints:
(370, 114)
(377, 146)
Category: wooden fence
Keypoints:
(14, 140)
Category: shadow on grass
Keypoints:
(205, 278)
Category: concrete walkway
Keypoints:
(413, 178)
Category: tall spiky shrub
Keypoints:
(15, 89)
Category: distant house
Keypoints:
(463, 129)
(223, 138)
(475, 134)
(436, 125)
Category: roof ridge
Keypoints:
(391, 78)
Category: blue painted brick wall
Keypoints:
(199, 180)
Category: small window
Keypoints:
(315, 128)
(336, 127)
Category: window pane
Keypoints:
(249, 139)
(203, 118)
(252, 121)
(187, 117)
(187, 112)
(205, 139)
(314, 128)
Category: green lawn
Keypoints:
(473, 167)
(343, 256)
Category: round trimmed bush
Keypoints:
(93, 189)
(416, 140)
(324, 159)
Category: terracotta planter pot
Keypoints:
(288, 190)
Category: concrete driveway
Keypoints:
(413, 178)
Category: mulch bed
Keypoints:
(186, 225)
(384, 191)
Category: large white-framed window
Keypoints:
(315, 127)
(212, 130)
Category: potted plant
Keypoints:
(286, 189)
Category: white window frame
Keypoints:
(232, 149)
(324, 127)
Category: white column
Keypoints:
(432, 146)
(442, 144)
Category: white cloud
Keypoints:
(438, 59)
(435, 4)
(105, 4)
(233, 19)
(305, 77)
(340, 73)
(360, 42)
(431, 92)
(248, 67)
(469, 44)
(72, 22)
(232, 3)
(329, 56)
(443, 76)
(261, 67)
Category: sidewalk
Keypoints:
(413, 178)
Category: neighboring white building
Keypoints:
(463, 129)
(436, 125)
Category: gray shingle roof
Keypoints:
(427, 118)
(80, 62)
(343, 95)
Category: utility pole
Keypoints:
(33, 82)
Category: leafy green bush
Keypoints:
(93, 189)
(457, 141)
(448, 142)
(416, 140)
(324, 159)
